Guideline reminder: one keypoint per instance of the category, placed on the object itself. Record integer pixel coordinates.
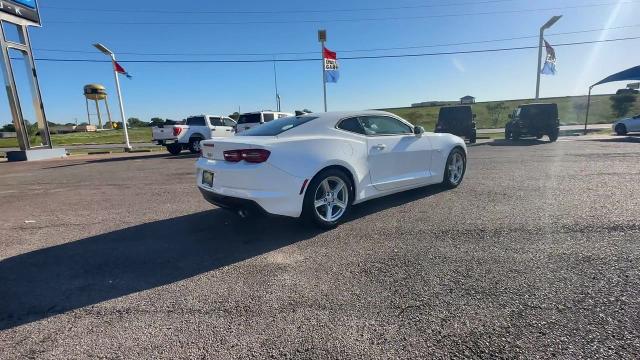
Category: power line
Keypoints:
(342, 58)
(296, 11)
(316, 21)
(346, 51)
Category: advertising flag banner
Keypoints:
(549, 67)
(120, 70)
(331, 72)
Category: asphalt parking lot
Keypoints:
(536, 255)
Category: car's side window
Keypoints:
(384, 125)
(268, 117)
(351, 125)
(215, 121)
(228, 122)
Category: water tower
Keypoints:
(97, 92)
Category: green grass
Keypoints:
(600, 112)
(136, 135)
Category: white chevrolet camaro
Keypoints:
(317, 165)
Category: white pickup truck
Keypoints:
(195, 129)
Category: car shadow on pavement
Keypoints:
(62, 278)
(58, 279)
(521, 142)
(620, 139)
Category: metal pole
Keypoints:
(12, 94)
(124, 119)
(106, 104)
(99, 117)
(586, 118)
(539, 63)
(86, 101)
(324, 78)
(275, 81)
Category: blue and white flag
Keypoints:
(549, 67)
(331, 72)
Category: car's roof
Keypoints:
(344, 114)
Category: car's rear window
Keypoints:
(278, 126)
(249, 118)
(452, 115)
(196, 121)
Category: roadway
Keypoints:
(536, 255)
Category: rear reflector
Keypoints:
(177, 131)
(304, 185)
(249, 155)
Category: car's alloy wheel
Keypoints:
(455, 168)
(327, 199)
(194, 145)
(331, 199)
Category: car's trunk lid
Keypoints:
(214, 149)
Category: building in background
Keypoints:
(467, 100)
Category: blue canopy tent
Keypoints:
(629, 74)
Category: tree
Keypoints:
(135, 122)
(9, 128)
(621, 104)
(580, 108)
(156, 121)
(235, 116)
(495, 111)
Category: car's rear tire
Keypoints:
(194, 145)
(553, 135)
(473, 137)
(455, 168)
(328, 198)
(174, 149)
(621, 129)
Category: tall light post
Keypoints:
(109, 53)
(544, 27)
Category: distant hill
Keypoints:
(570, 108)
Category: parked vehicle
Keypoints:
(457, 120)
(624, 126)
(533, 120)
(627, 92)
(195, 129)
(250, 120)
(317, 165)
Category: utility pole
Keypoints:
(275, 81)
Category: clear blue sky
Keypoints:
(178, 90)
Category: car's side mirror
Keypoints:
(418, 130)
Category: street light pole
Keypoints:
(544, 27)
(110, 53)
(322, 38)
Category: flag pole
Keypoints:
(124, 119)
(324, 78)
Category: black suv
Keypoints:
(457, 120)
(533, 120)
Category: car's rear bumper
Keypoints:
(251, 186)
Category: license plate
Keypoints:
(207, 178)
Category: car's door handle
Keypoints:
(228, 130)
(380, 146)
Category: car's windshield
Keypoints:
(278, 126)
(249, 118)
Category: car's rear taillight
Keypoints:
(254, 156)
(177, 131)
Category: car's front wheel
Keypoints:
(328, 198)
(455, 168)
(621, 129)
